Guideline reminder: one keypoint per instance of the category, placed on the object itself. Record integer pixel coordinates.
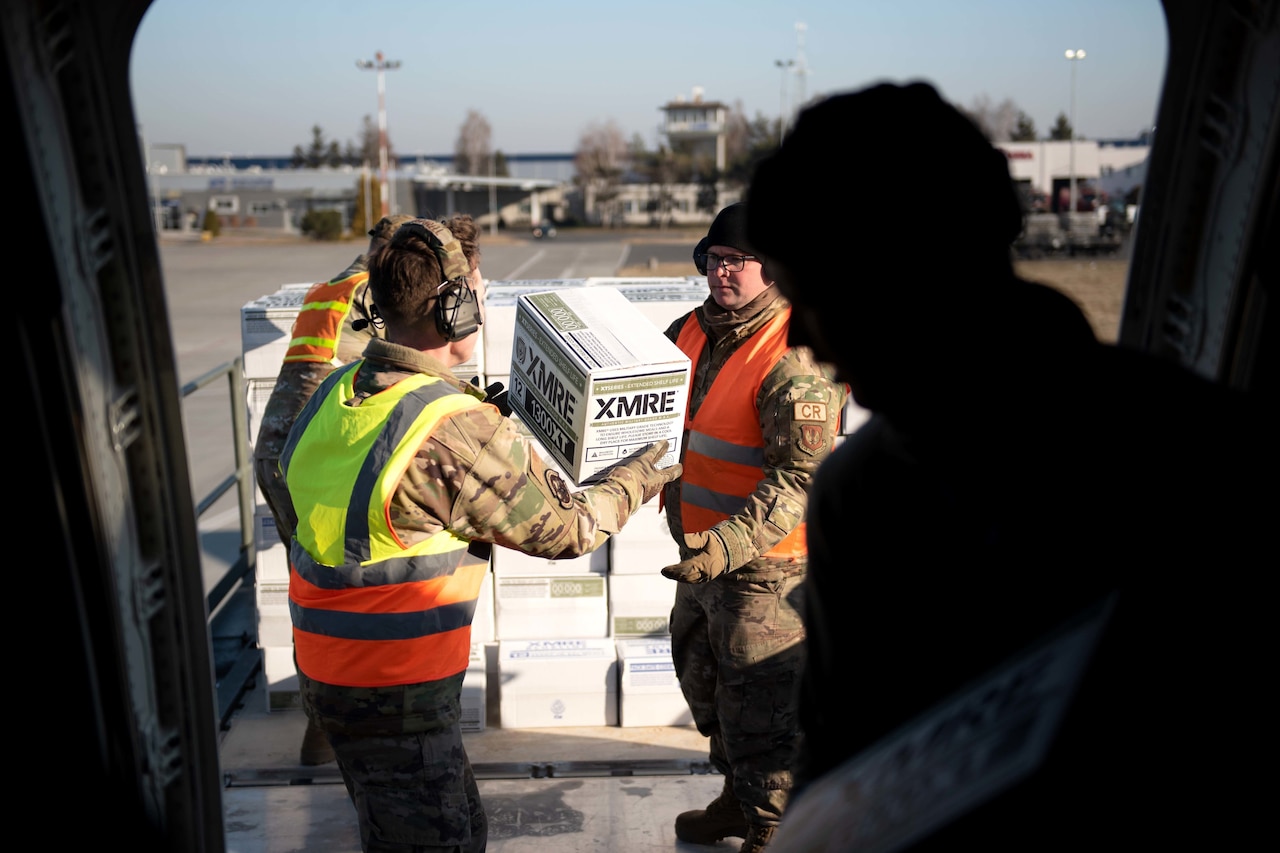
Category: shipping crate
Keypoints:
(595, 380)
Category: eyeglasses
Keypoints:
(711, 261)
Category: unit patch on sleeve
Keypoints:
(811, 438)
(558, 488)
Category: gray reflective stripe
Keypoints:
(726, 451)
(420, 567)
(707, 499)
(399, 423)
(382, 626)
(309, 412)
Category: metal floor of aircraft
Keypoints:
(553, 789)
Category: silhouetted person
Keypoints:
(1015, 475)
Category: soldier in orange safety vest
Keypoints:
(762, 416)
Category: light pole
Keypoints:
(783, 65)
(1073, 56)
(381, 65)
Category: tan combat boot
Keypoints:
(315, 747)
(757, 839)
(722, 818)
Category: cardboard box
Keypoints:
(257, 393)
(474, 691)
(500, 319)
(507, 562)
(644, 545)
(281, 676)
(266, 327)
(482, 623)
(275, 625)
(595, 380)
(271, 557)
(661, 300)
(648, 690)
(852, 416)
(532, 608)
(565, 682)
(640, 605)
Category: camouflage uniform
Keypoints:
(737, 640)
(400, 748)
(295, 384)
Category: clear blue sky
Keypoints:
(251, 77)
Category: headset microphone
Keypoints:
(374, 319)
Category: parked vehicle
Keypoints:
(544, 229)
(1086, 233)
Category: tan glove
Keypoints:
(712, 558)
(641, 465)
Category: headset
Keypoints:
(457, 309)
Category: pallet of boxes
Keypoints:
(578, 642)
(266, 328)
(585, 641)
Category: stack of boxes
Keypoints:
(266, 325)
(575, 642)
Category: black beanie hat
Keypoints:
(728, 229)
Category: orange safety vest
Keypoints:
(319, 321)
(368, 611)
(724, 453)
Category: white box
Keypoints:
(644, 545)
(482, 630)
(532, 608)
(661, 300)
(474, 691)
(566, 682)
(266, 327)
(852, 416)
(275, 628)
(271, 557)
(640, 605)
(281, 676)
(257, 393)
(595, 380)
(508, 561)
(648, 690)
(275, 625)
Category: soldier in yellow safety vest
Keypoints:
(402, 475)
(332, 328)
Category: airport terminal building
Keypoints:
(266, 192)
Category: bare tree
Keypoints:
(997, 121)
(737, 141)
(601, 159)
(471, 151)
(366, 147)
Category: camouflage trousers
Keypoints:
(413, 792)
(738, 648)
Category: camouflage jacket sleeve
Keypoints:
(487, 478)
(799, 404)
